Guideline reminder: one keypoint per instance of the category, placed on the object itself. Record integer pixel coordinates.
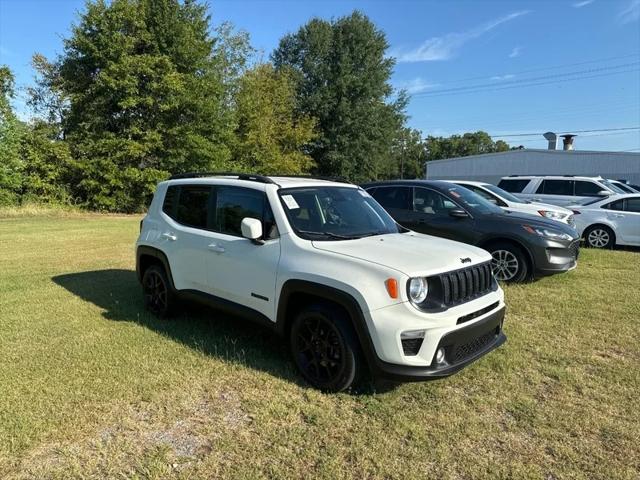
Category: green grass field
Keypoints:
(91, 386)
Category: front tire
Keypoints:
(509, 263)
(325, 349)
(158, 295)
(599, 236)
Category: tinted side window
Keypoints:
(170, 201)
(587, 188)
(484, 194)
(556, 187)
(513, 186)
(236, 203)
(633, 205)
(394, 197)
(617, 205)
(193, 205)
(431, 202)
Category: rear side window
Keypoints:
(617, 205)
(236, 203)
(633, 205)
(170, 201)
(587, 189)
(193, 206)
(513, 185)
(556, 187)
(399, 198)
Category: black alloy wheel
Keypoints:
(324, 348)
(157, 294)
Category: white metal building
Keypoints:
(491, 167)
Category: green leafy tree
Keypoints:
(47, 165)
(149, 93)
(342, 76)
(11, 130)
(408, 155)
(474, 143)
(271, 136)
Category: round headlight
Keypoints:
(418, 289)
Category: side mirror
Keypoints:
(458, 213)
(604, 193)
(252, 229)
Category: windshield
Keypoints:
(613, 186)
(474, 202)
(335, 213)
(625, 188)
(503, 193)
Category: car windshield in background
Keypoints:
(503, 193)
(613, 186)
(474, 202)
(335, 213)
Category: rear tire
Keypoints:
(325, 349)
(159, 298)
(509, 263)
(599, 236)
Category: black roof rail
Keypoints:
(314, 177)
(241, 176)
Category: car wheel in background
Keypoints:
(325, 348)
(599, 236)
(509, 263)
(158, 297)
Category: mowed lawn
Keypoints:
(91, 386)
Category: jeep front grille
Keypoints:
(466, 284)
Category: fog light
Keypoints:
(440, 355)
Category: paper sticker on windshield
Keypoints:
(290, 202)
(454, 193)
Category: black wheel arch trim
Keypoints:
(335, 295)
(143, 250)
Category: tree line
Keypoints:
(147, 88)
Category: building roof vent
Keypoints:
(553, 140)
(567, 141)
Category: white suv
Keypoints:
(561, 190)
(325, 266)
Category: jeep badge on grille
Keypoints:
(465, 260)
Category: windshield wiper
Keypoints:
(327, 234)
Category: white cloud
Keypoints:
(581, 4)
(443, 48)
(631, 13)
(416, 85)
(501, 78)
(515, 52)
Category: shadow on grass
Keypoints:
(214, 333)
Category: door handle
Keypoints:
(169, 236)
(216, 248)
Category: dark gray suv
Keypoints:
(522, 245)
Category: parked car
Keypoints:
(322, 264)
(561, 190)
(509, 202)
(615, 220)
(521, 245)
(625, 187)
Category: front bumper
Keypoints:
(462, 347)
(551, 257)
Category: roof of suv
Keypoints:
(554, 177)
(255, 181)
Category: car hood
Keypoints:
(411, 253)
(539, 222)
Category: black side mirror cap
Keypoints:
(458, 213)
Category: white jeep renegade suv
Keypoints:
(326, 267)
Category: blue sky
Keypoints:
(504, 66)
